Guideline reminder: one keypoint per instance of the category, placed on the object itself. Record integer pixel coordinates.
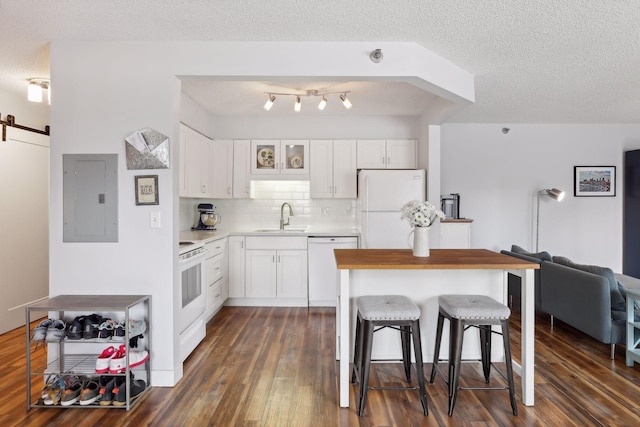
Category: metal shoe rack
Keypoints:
(84, 364)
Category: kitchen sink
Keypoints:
(286, 230)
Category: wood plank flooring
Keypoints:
(262, 366)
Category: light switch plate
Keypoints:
(154, 220)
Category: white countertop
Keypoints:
(209, 236)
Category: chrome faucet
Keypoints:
(282, 223)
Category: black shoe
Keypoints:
(109, 385)
(91, 326)
(76, 328)
(120, 397)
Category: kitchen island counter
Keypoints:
(446, 271)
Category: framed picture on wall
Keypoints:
(594, 181)
(147, 190)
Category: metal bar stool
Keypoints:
(464, 311)
(387, 311)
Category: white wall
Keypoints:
(498, 175)
(30, 114)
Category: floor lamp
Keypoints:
(555, 194)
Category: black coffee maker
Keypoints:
(207, 218)
(450, 205)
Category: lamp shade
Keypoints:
(555, 194)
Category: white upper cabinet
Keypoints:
(241, 173)
(387, 153)
(333, 172)
(222, 169)
(280, 157)
(196, 164)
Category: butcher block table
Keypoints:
(397, 271)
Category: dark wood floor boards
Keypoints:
(265, 366)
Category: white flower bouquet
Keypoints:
(420, 214)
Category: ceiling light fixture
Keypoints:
(322, 104)
(269, 103)
(345, 101)
(271, 97)
(35, 87)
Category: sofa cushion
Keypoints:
(542, 256)
(617, 299)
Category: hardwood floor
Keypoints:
(276, 367)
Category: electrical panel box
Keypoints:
(90, 197)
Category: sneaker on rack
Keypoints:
(53, 390)
(105, 330)
(40, 331)
(136, 327)
(91, 325)
(118, 363)
(90, 392)
(76, 328)
(136, 387)
(56, 331)
(104, 360)
(71, 394)
(107, 386)
(118, 331)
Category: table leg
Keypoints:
(528, 333)
(344, 340)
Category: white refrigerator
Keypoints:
(381, 195)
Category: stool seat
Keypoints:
(482, 312)
(387, 311)
(473, 307)
(387, 307)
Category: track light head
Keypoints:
(376, 55)
(322, 104)
(298, 105)
(345, 101)
(269, 103)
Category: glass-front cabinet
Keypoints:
(279, 157)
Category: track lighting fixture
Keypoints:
(345, 101)
(269, 103)
(322, 104)
(34, 90)
(271, 97)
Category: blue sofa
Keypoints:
(590, 298)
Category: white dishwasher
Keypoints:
(323, 273)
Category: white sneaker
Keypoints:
(104, 360)
(117, 364)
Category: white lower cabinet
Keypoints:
(236, 267)
(275, 271)
(217, 275)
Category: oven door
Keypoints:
(192, 301)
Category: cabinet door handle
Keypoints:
(228, 190)
(273, 258)
(388, 161)
(383, 160)
(330, 190)
(246, 189)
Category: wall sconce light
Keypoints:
(271, 97)
(555, 194)
(35, 87)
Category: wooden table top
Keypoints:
(440, 259)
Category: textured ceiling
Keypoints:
(535, 61)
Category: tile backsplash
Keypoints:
(262, 210)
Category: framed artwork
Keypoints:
(594, 181)
(147, 190)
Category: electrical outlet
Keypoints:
(325, 211)
(348, 209)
